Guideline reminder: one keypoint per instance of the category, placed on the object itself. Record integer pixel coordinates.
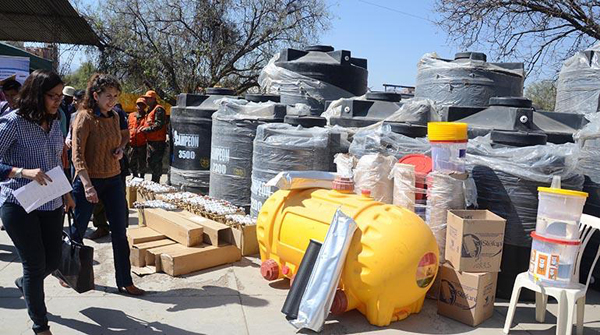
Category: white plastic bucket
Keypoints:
(559, 212)
(552, 260)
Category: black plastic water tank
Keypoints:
(514, 197)
(518, 114)
(361, 113)
(285, 147)
(191, 131)
(346, 75)
(468, 80)
(233, 131)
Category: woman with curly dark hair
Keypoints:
(31, 143)
(99, 136)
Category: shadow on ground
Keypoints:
(173, 297)
(110, 321)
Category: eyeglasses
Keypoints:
(55, 97)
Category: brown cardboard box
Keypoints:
(215, 233)
(137, 254)
(143, 234)
(173, 226)
(153, 255)
(474, 240)
(245, 239)
(467, 297)
(183, 260)
(131, 195)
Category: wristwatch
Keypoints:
(19, 173)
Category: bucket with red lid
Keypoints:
(552, 261)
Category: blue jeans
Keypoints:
(111, 193)
(38, 239)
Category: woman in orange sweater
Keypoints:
(99, 137)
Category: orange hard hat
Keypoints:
(140, 100)
(150, 94)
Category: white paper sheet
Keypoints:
(34, 195)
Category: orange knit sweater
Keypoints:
(94, 141)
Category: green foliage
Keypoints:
(80, 77)
(186, 45)
(543, 94)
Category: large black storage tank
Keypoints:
(508, 167)
(233, 131)
(468, 80)
(578, 85)
(191, 129)
(314, 75)
(396, 139)
(375, 107)
(287, 147)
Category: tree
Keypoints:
(80, 77)
(543, 94)
(539, 32)
(181, 45)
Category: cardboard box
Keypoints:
(474, 240)
(183, 260)
(153, 255)
(467, 297)
(173, 226)
(215, 233)
(245, 239)
(131, 195)
(137, 253)
(143, 234)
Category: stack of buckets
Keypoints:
(555, 241)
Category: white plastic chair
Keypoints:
(567, 298)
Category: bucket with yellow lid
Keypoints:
(448, 145)
(559, 212)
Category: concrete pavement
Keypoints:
(231, 299)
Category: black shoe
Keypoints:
(99, 233)
(19, 284)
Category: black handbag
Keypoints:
(76, 263)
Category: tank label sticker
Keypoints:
(426, 270)
(186, 140)
(543, 265)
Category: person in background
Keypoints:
(155, 128)
(67, 103)
(137, 139)
(10, 88)
(31, 143)
(77, 101)
(99, 136)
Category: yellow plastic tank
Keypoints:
(391, 263)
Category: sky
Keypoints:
(391, 34)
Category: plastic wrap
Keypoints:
(190, 179)
(405, 189)
(507, 179)
(274, 79)
(383, 140)
(282, 147)
(320, 290)
(345, 164)
(296, 180)
(444, 192)
(466, 82)
(233, 131)
(335, 107)
(578, 85)
(588, 140)
(372, 173)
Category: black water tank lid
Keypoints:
(262, 97)
(384, 96)
(321, 48)
(407, 129)
(518, 138)
(219, 91)
(305, 121)
(520, 102)
(471, 55)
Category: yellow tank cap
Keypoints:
(447, 131)
(562, 192)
